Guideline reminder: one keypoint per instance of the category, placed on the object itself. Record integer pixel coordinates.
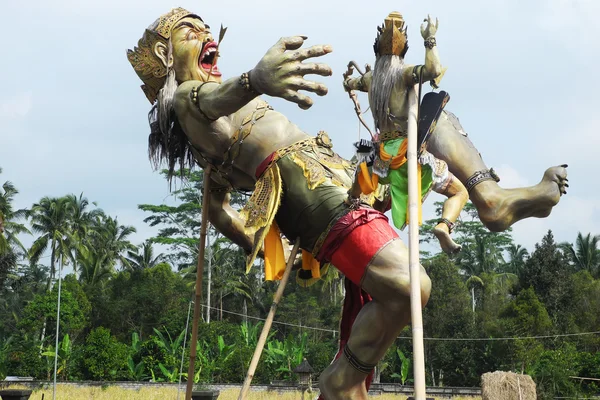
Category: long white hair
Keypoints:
(386, 72)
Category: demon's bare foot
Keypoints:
(500, 208)
(448, 245)
(556, 177)
(550, 189)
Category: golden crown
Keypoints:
(146, 64)
(391, 36)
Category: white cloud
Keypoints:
(16, 106)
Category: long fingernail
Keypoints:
(304, 37)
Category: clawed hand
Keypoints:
(280, 73)
(431, 28)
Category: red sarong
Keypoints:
(350, 246)
(354, 240)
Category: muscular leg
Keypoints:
(457, 198)
(378, 324)
(498, 208)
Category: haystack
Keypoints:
(501, 385)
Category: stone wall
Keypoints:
(447, 393)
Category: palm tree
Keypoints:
(333, 281)
(8, 262)
(226, 281)
(81, 220)
(137, 260)
(11, 252)
(517, 255)
(110, 238)
(479, 255)
(50, 218)
(472, 282)
(9, 228)
(94, 266)
(585, 255)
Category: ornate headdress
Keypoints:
(146, 64)
(391, 36)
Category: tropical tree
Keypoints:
(585, 254)
(110, 239)
(11, 249)
(180, 223)
(333, 281)
(94, 266)
(9, 227)
(82, 219)
(517, 255)
(142, 257)
(227, 278)
(50, 218)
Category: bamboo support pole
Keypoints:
(199, 273)
(413, 248)
(265, 331)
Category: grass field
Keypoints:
(115, 393)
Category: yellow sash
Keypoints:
(275, 260)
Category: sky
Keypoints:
(522, 76)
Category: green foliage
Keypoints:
(405, 364)
(74, 310)
(548, 273)
(284, 356)
(143, 300)
(552, 371)
(23, 359)
(5, 345)
(104, 358)
(526, 316)
(65, 351)
(152, 354)
(585, 254)
(124, 308)
(320, 353)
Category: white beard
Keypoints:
(388, 69)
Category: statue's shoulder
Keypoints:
(187, 98)
(183, 96)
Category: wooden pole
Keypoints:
(413, 248)
(60, 265)
(199, 273)
(265, 331)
